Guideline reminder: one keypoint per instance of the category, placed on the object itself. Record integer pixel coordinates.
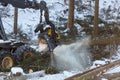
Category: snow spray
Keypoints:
(74, 56)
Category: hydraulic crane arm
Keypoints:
(21, 3)
(31, 4)
(28, 4)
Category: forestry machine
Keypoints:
(12, 52)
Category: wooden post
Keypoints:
(15, 20)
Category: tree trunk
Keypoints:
(15, 20)
(71, 18)
(65, 2)
(96, 18)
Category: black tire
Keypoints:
(6, 60)
(23, 52)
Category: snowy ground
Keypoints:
(40, 75)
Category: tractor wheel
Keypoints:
(23, 52)
(6, 60)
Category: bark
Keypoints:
(15, 20)
(96, 18)
(71, 18)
